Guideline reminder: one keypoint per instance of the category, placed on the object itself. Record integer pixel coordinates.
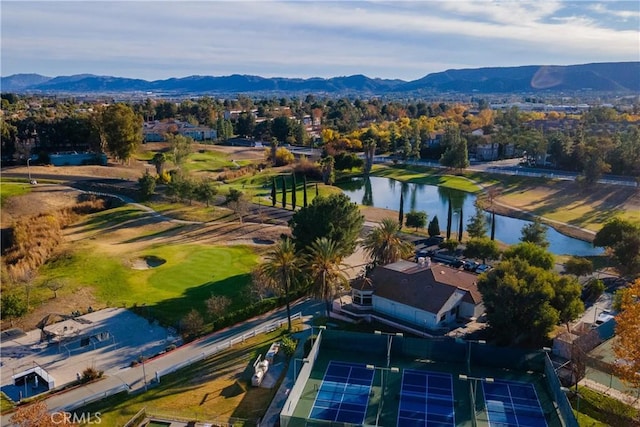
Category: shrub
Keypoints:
(283, 156)
(288, 345)
(230, 174)
(308, 168)
(90, 374)
(347, 161)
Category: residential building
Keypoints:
(421, 295)
(156, 131)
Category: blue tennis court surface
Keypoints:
(426, 399)
(513, 404)
(344, 393)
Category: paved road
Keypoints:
(134, 379)
(511, 167)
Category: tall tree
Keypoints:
(206, 191)
(524, 302)
(533, 254)
(384, 244)
(317, 190)
(159, 160)
(121, 130)
(455, 154)
(304, 191)
(477, 225)
(401, 210)
(274, 150)
(328, 170)
(622, 237)
(536, 233)
(282, 266)
(284, 193)
(335, 217)
(325, 269)
(273, 192)
(181, 148)
(293, 191)
(482, 248)
(369, 152)
(460, 226)
(147, 185)
(627, 347)
(434, 227)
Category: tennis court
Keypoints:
(343, 395)
(512, 404)
(351, 379)
(426, 399)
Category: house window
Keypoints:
(366, 300)
(357, 299)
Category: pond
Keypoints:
(385, 193)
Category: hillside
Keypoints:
(600, 77)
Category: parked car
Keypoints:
(470, 265)
(483, 268)
(431, 241)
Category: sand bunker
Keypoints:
(147, 262)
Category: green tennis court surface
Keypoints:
(352, 379)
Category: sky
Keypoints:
(154, 40)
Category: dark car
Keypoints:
(470, 265)
(483, 268)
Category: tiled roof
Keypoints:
(423, 287)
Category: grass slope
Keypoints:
(12, 189)
(191, 274)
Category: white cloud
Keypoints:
(622, 14)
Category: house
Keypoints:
(156, 131)
(424, 295)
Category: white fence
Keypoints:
(225, 345)
(97, 396)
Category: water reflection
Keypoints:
(385, 193)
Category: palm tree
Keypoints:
(281, 268)
(384, 245)
(325, 268)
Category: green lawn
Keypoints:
(597, 409)
(5, 403)
(11, 189)
(191, 274)
(422, 175)
(211, 161)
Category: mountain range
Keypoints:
(601, 77)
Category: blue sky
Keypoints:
(406, 40)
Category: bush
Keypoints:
(308, 168)
(347, 161)
(288, 345)
(90, 374)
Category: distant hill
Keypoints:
(616, 77)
